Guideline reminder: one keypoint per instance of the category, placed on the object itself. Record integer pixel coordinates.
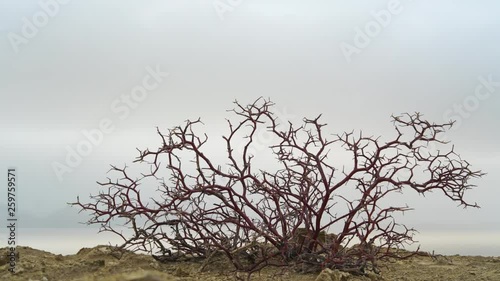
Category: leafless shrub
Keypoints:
(258, 218)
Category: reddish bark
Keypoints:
(252, 216)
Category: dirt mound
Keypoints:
(87, 264)
(103, 263)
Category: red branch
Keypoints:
(253, 216)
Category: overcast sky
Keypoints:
(68, 66)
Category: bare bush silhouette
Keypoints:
(308, 213)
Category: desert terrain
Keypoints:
(100, 263)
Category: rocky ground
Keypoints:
(100, 263)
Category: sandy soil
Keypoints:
(99, 263)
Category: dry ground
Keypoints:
(98, 263)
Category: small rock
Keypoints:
(332, 275)
(104, 250)
(374, 277)
(154, 265)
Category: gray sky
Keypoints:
(66, 67)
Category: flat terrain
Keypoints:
(99, 263)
